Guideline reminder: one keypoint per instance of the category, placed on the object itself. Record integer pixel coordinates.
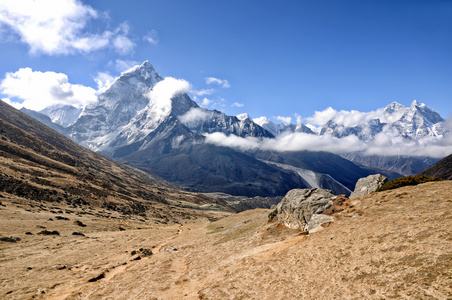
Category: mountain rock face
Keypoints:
(63, 115)
(400, 164)
(164, 134)
(149, 122)
(277, 129)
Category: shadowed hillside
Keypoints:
(39, 164)
(442, 169)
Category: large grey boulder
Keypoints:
(297, 208)
(368, 185)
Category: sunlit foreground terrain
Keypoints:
(392, 244)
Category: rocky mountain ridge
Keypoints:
(150, 122)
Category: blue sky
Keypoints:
(271, 58)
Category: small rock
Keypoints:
(9, 239)
(28, 233)
(47, 232)
(62, 218)
(169, 249)
(79, 223)
(146, 252)
(77, 233)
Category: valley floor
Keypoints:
(389, 245)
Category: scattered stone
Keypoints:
(169, 249)
(61, 267)
(137, 258)
(79, 223)
(367, 185)
(299, 205)
(121, 229)
(62, 218)
(77, 233)
(28, 233)
(50, 219)
(29, 268)
(97, 278)
(146, 252)
(9, 239)
(39, 226)
(47, 232)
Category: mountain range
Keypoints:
(148, 122)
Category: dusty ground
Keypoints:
(390, 245)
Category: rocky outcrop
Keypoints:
(300, 208)
(368, 185)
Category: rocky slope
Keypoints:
(41, 165)
(442, 169)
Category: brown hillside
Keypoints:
(39, 164)
(394, 244)
(442, 169)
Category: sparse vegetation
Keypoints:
(405, 181)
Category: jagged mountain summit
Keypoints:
(414, 122)
(277, 129)
(137, 103)
(151, 123)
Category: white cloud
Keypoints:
(382, 145)
(195, 114)
(202, 92)
(288, 142)
(285, 120)
(221, 82)
(16, 105)
(261, 121)
(123, 65)
(206, 102)
(41, 89)
(152, 37)
(59, 27)
(103, 81)
(236, 104)
(166, 89)
(344, 117)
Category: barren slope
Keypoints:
(39, 164)
(390, 245)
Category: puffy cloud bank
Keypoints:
(382, 144)
(59, 27)
(41, 89)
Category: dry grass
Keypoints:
(398, 246)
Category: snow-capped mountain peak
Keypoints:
(62, 114)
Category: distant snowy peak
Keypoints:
(416, 121)
(61, 114)
(279, 128)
